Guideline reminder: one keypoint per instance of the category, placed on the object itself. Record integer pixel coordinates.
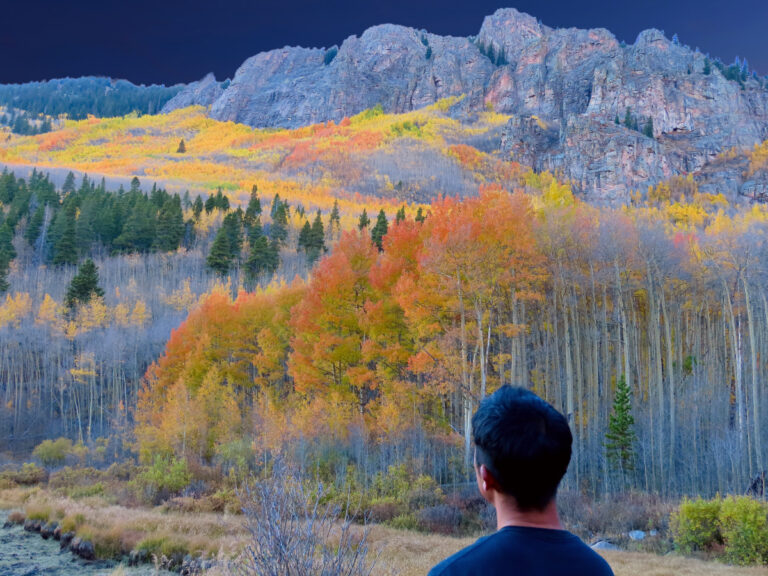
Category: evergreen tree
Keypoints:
(135, 185)
(69, 184)
(220, 257)
(263, 257)
(628, 118)
(84, 286)
(305, 236)
(233, 227)
(380, 229)
(620, 437)
(170, 226)
(334, 221)
(182, 147)
(138, 234)
(5, 266)
(276, 203)
(278, 232)
(648, 128)
(7, 251)
(32, 233)
(253, 210)
(63, 236)
(420, 216)
(197, 207)
(364, 220)
(400, 216)
(616, 120)
(707, 67)
(316, 239)
(210, 204)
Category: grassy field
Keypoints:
(413, 554)
(399, 552)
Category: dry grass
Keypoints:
(413, 554)
(401, 552)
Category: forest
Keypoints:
(646, 325)
(79, 97)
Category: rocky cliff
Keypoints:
(580, 100)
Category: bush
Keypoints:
(443, 519)
(281, 515)
(166, 476)
(695, 525)
(28, 475)
(743, 524)
(53, 452)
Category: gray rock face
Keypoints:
(201, 93)
(565, 88)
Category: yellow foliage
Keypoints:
(140, 315)
(15, 309)
(182, 298)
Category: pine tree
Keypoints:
(182, 147)
(628, 118)
(276, 203)
(648, 128)
(620, 437)
(420, 216)
(64, 240)
(220, 257)
(364, 220)
(278, 232)
(170, 226)
(69, 184)
(400, 216)
(334, 221)
(305, 236)
(707, 67)
(380, 230)
(84, 286)
(5, 267)
(233, 227)
(135, 185)
(253, 210)
(197, 207)
(263, 257)
(316, 239)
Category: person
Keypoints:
(522, 450)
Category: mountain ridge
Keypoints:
(586, 87)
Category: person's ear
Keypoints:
(486, 481)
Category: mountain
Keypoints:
(609, 117)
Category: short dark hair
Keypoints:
(524, 442)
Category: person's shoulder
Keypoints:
(453, 564)
(597, 564)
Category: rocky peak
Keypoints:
(577, 83)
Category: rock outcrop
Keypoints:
(569, 91)
(201, 93)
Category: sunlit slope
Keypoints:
(370, 159)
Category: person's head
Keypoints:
(524, 445)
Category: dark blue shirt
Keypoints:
(522, 551)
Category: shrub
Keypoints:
(407, 521)
(695, 524)
(744, 528)
(28, 475)
(53, 452)
(443, 519)
(166, 476)
(282, 516)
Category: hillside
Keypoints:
(610, 117)
(370, 159)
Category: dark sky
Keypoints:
(165, 41)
